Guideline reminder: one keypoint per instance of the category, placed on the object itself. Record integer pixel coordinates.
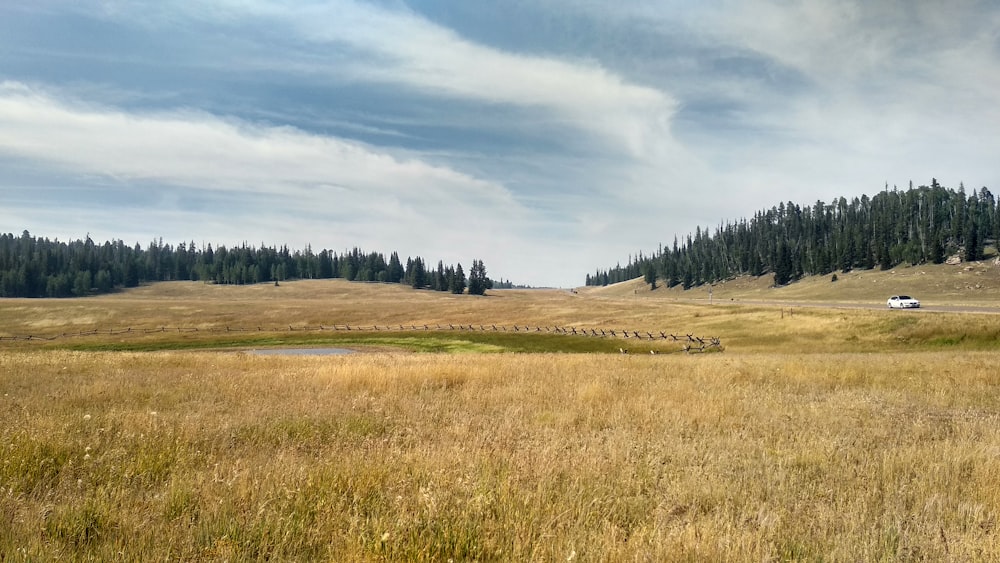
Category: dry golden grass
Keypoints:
(968, 284)
(524, 457)
(842, 435)
(744, 324)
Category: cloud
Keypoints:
(555, 135)
(602, 123)
(835, 98)
(259, 179)
(350, 42)
(618, 134)
(198, 150)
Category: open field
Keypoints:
(835, 434)
(968, 284)
(746, 314)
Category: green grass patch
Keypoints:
(965, 341)
(423, 342)
(896, 323)
(936, 332)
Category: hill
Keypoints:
(974, 284)
(924, 225)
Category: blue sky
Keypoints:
(547, 137)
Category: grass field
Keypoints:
(817, 434)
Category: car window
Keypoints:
(904, 297)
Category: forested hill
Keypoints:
(35, 267)
(918, 225)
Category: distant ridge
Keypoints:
(926, 224)
(39, 267)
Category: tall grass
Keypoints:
(268, 312)
(834, 434)
(209, 455)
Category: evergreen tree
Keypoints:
(83, 283)
(478, 282)
(396, 271)
(102, 281)
(457, 282)
(417, 274)
(783, 272)
(973, 246)
(326, 264)
(440, 278)
(649, 275)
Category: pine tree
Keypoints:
(973, 245)
(649, 274)
(417, 274)
(440, 278)
(783, 268)
(457, 283)
(478, 282)
(83, 283)
(396, 271)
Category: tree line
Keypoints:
(39, 267)
(924, 224)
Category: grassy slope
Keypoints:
(746, 314)
(976, 284)
(841, 434)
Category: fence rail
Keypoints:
(690, 343)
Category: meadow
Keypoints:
(818, 433)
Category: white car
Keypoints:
(902, 302)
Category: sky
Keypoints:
(548, 138)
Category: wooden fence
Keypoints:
(690, 343)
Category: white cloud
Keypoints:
(814, 100)
(891, 91)
(281, 181)
(202, 151)
(398, 47)
(636, 170)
